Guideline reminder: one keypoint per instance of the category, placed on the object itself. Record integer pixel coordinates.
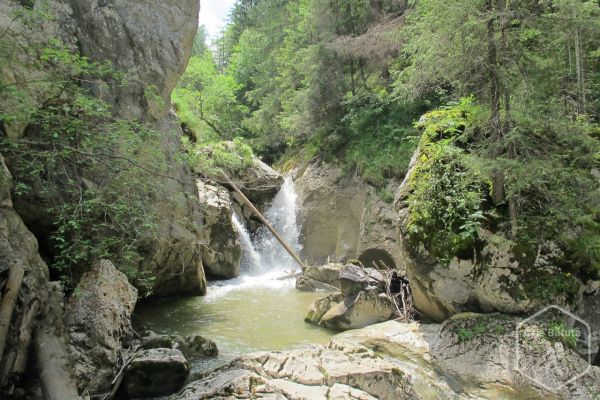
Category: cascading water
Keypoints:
(251, 261)
(264, 260)
(259, 310)
(283, 216)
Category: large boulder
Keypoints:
(359, 310)
(492, 281)
(223, 252)
(98, 322)
(259, 183)
(344, 218)
(156, 372)
(395, 360)
(362, 301)
(320, 278)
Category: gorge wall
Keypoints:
(150, 43)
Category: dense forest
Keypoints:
(501, 97)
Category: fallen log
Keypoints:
(267, 224)
(15, 279)
(51, 353)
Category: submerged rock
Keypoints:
(193, 346)
(98, 322)
(156, 372)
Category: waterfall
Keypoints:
(264, 260)
(265, 254)
(283, 216)
(251, 261)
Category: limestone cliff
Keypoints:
(344, 218)
(149, 43)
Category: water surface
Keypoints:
(243, 315)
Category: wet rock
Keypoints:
(319, 307)
(362, 309)
(223, 252)
(98, 322)
(306, 284)
(329, 273)
(394, 360)
(156, 372)
(193, 346)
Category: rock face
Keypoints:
(343, 218)
(17, 244)
(259, 183)
(362, 301)
(223, 250)
(443, 289)
(156, 372)
(98, 321)
(150, 42)
(393, 361)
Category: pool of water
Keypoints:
(243, 315)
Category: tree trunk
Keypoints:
(492, 61)
(15, 279)
(579, 65)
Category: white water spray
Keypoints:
(264, 261)
(283, 216)
(251, 261)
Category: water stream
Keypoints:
(258, 310)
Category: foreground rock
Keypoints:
(98, 322)
(403, 361)
(362, 301)
(223, 251)
(156, 372)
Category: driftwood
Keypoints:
(281, 240)
(15, 360)
(15, 279)
(116, 382)
(25, 335)
(51, 353)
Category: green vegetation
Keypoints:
(560, 331)
(87, 170)
(470, 327)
